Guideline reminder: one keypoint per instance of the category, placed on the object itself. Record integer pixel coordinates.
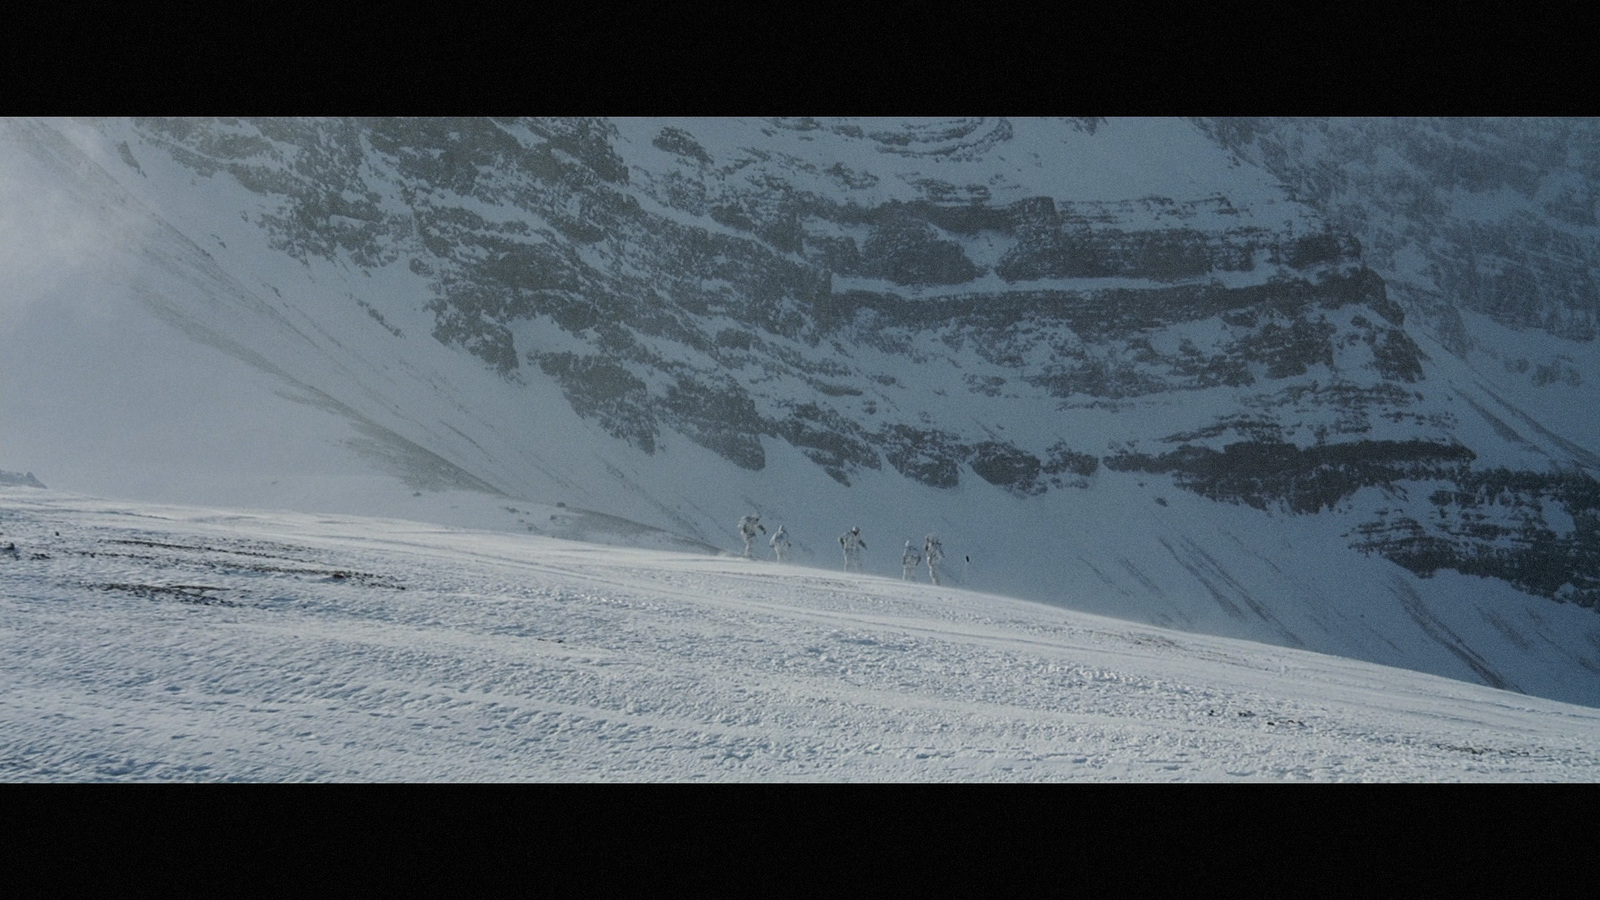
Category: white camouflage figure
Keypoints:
(780, 544)
(747, 530)
(853, 545)
(909, 561)
(934, 551)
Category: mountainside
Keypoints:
(1324, 384)
(148, 642)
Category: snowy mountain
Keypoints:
(1327, 385)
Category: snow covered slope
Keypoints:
(155, 643)
(1117, 365)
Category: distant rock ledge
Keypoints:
(23, 480)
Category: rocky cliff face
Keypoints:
(1479, 227)
(750, 293)
(1492, 216)
(1033, 306)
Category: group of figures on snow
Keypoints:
(853, 545)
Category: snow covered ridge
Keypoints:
(1135, 367)
(161, 643)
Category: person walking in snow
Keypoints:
(780, 544)
(934, 552)
(853, 545)
(747, 530)
(909, 561)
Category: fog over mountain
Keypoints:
(1326, 384)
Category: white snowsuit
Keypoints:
(909, 562)
(780, 544)
(747, 530)
(934, 551)
(853, 545)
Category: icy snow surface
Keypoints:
(155, 643)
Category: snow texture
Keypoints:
(162, 643)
